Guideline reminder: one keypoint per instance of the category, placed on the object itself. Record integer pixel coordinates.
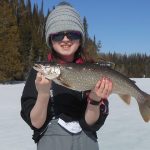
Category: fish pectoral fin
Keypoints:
(125, 98)
(133, 81)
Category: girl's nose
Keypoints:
(65, 38)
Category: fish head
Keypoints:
(49, 71)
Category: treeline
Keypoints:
(22, 38)
(133, 65)
(22, 42)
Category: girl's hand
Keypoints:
(38, 113)
(43, 85)
(102, 89)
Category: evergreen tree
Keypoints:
(11, 67)
(29, 11)
(25, 31)
(91, 47)
(36, 36)
(85, 24)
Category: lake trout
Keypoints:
(83, 77)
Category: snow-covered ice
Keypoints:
(124, 128)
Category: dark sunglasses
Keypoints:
(71, 35)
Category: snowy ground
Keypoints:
(123, 130)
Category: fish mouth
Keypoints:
(50, 72)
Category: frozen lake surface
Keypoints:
(124, 128)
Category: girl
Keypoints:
(63, 119)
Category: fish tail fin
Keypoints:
(144, 106)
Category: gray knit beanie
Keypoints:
(63, 18)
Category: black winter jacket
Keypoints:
(67, 104)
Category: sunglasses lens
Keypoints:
(57, 37)
(74, 35)
(70, 35)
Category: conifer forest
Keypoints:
(22, 43)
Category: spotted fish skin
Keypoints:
(83, 77)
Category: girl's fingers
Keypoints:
(39, 76)
(102, 86)
(105, 88)
(102, 89)
(98, 84)
(110, 87)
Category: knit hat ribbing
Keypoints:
(63, 18)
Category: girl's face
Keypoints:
(65, 45)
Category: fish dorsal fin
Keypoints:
(125, 98)
(133, 81)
